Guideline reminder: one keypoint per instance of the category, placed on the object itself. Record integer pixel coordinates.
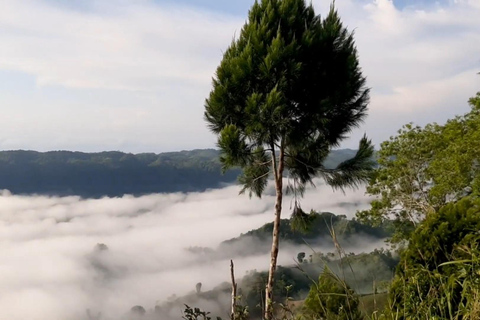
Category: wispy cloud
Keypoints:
(130, 75)
(421, 62)
(132, 46)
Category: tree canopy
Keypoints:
(111, 173)
(290, 83)
(423, 168)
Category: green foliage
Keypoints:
(373, 306)
(290, 283)
(319, 229)
(290, 87)
(111, 173)
(366, 273)
(196, 314)
(116, 173)
(475, 101)
(439, 272)
(421, 169)
(330, 298)
(362, 272)
(301, 221)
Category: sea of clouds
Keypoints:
(51, 268)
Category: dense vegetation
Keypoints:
(428, 183)
(117, 173)
(423, 168)
(366, 273)
(347, 232)
(330, 299)
(110, 173)
(439, 273)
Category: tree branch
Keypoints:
(262, 176)
(301, 162)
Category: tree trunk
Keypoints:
(234, 292)
(278, 174)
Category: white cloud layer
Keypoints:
(48, 269)
(130, 75)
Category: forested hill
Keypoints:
(117, 173)
(320, 225)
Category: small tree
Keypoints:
(423, 168)
(137, 311)
(196, 314)
(287, 91)
(198, 287)
(300, 257)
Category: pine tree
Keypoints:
(287, 91)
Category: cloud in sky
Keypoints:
(131, 75)
(49, 270)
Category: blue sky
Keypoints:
(237, 7)
(240, 7)
(96, 75)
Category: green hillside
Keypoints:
(116, 173)
(347, 233)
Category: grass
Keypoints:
(373, 303)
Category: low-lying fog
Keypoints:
(49, 268)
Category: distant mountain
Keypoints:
(117, 173)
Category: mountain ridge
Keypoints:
(116, 173)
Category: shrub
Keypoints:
(331, 299)
(439, 273)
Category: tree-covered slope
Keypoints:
(110, 173)
(366, 273)
(117, 173)
(347, 233)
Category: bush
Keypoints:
(330, 299)
(439, 273)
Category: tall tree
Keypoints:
(289, 89)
